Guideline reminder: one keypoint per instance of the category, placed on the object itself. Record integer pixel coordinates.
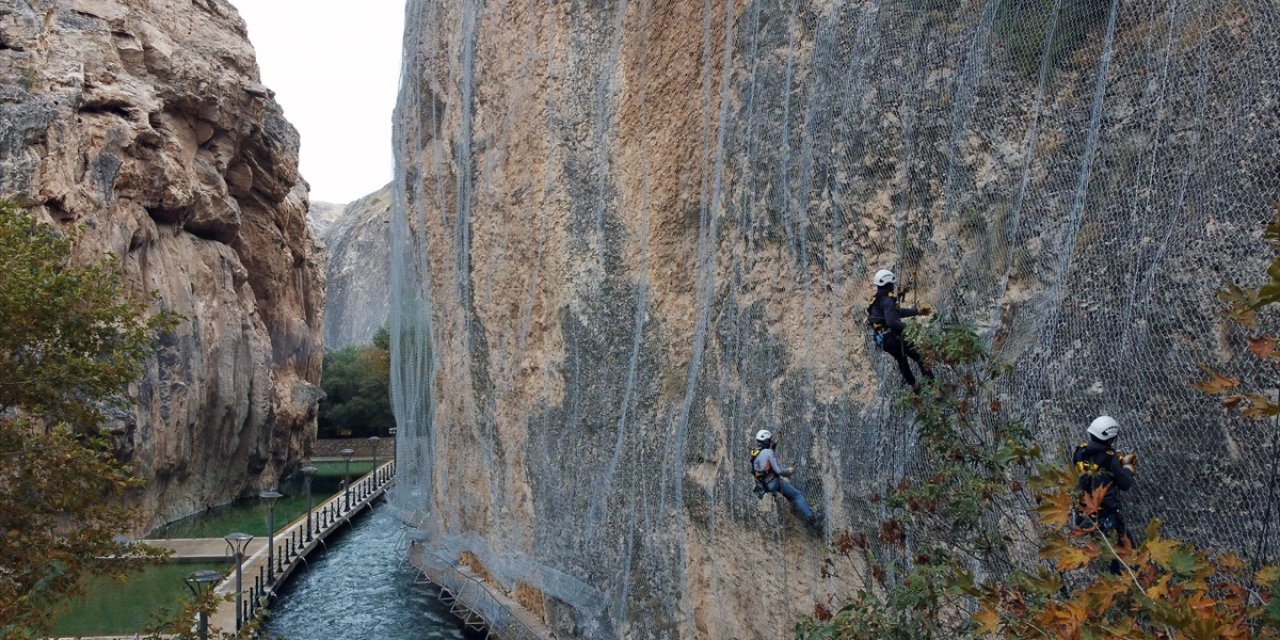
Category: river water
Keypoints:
(356, 591)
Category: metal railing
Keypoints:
(471, 600)
(289, 550)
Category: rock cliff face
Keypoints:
(627, 235)
(357, 299)
(321, 216)
(142, 123)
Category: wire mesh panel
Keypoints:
(628, 234)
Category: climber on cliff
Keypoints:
(885, 317)
(1100, 467)
(769, 474)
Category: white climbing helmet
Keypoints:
(883, 277)
(764, 434)
(1104, 428)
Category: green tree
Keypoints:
(71, 341)
(357, 387)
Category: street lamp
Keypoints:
(346, 489)
(395, 448)
(307, 472)
(373, 441)
(270, 497)
(237, 543)
(199, 583)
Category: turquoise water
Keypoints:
(356, 590)
(249, 515)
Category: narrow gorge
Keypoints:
(625, 235)
(621, 237)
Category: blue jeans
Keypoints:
(778, 485)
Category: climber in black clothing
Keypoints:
(1099, 465)
(885, 317)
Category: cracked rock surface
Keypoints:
(143, 124)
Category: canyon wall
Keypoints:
(357, 299)
(626, 235)
(321, 216)
(142, 125)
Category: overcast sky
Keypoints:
(335, 67)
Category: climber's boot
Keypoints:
(814, 521)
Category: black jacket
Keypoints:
(1097, 465)
(884, 312)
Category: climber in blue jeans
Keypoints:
(769, 475)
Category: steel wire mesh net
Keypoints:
(1076, 177)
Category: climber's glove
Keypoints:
(1130, 461)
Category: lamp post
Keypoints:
(237, 543)
(395, 448)
(346, 481)
(307, 472)
(199, 583)
(270, 497)
(373, 442)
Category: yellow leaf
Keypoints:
(1054, 509)
(1068, 556)
(1218, 383)
(1161, 550)
(988, 621)
(1262, 408)
(1267, 575)
(1103, 593)
(1160, 589)
(1229, 562)
(1092, 501)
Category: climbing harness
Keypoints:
(1090, 476)
(763, 478)
(875, 320)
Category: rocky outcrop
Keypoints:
(142, 124)
(321, 216)
(627, 235)
(357, 299)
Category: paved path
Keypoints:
(204, 548)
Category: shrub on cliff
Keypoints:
(983, 544)
(357, 387)
(71, 341)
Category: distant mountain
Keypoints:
(355, 240)
(321, 216)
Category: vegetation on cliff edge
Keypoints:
(72, 340)
(984, 545)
